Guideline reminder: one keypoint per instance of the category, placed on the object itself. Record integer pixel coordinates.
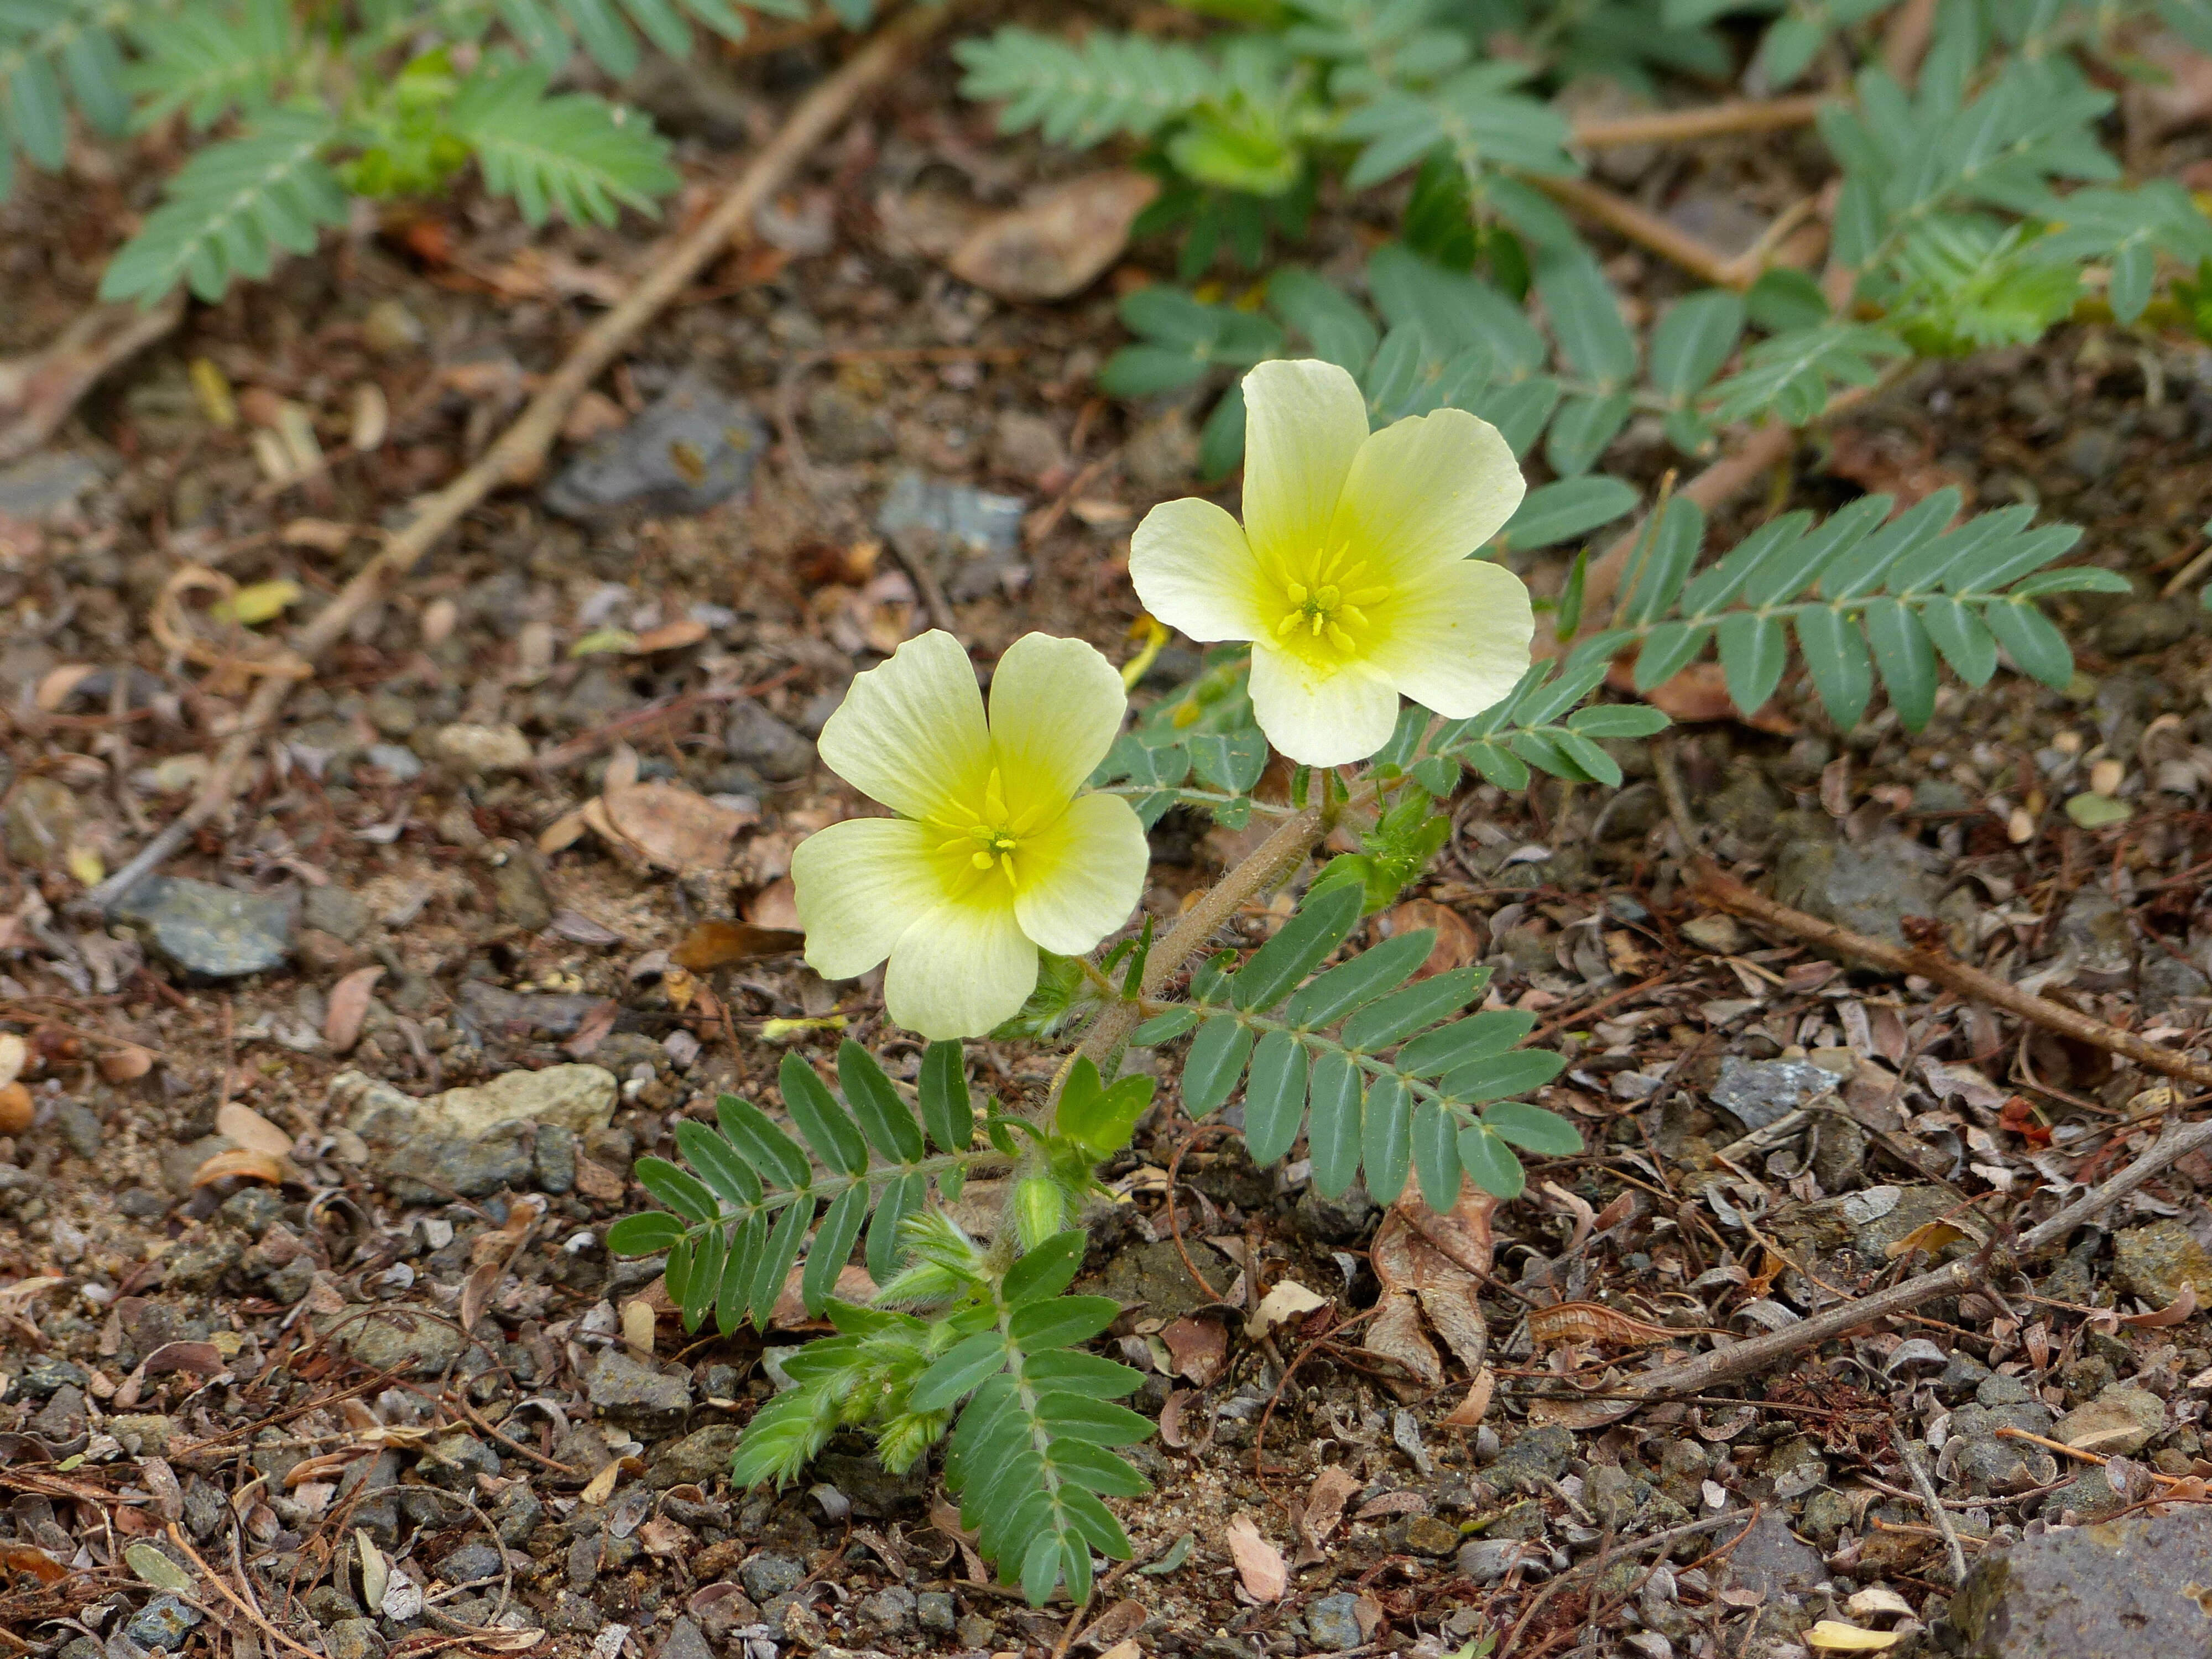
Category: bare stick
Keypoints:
(2177, 1143)
(1932, 1502)
(1718, 887)
(521, 450)
(1707, 121)
(1617, 213)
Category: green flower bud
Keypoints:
(1040, 1210)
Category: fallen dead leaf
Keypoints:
(55, 688)
(1470, 1412)
(199, 1358)
(675, 828)
(30, 1558)
(38, 392)
(1457, 943)
(789, 1314)
(776, 906)
(670, 636)
(1430, 1266)
(2180, 1309)
(242, 1163)
(1699, 693)
(1593, 1321)
(719, 943)
(1059, 241)
(125, 1063)
(1121, 1622)
(1287, 1301)
(1173, 1434)
(1833, 1636)
(1326, 1496)
(349, 1007)
(1260, 1565)
(1392, 1503)
(1199, 1346)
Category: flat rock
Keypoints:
(2154, 1262)
(636, 1396)
(2120, 1421)
(1870, 887)
(1772, 1560)
(474, 749)
(694, 448)
(1756, 1092)
(577, 1098)
(213, 931)
(2118, 1589)
(385, 1337)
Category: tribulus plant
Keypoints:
(1001, 896)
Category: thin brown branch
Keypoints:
(1706, 121)
(520, 452)
(177, 1537)
(1643, 227)
(1716, 886)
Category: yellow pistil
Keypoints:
(1328, 607)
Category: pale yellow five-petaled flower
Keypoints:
(996, 850)
(1349, 575)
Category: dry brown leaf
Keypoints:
(1463, 1236)
(476, 1290)
(1457, 943)
(1326, 1496)
(1116, 1624)
(592, 1030)
(55, 688)
(663, 1538)
(1199, 1347)
(1470, 1412)
(564, 831)
(38, 392)
(1699, 692)
(598, 1181)
(853, 1285)
(1058, 242)
(601, 1486)
(2180, 1309)
(1289, 1300)
(243, 1163)
(1396, 1334)
(1180, 1403)
(349, 1007)
(1593, 1321)
(719, 943)
(1260, 1565)
(1392, 1503)
(1928, 1236)
(249, 1129)
(200, 1359)
(670, 636)
(775, 905)
(30, 1558)
(671, 826)
(637, 1326)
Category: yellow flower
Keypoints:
(994, 852)
(1350, 573)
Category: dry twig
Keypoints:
(1706, 121)
(520, 452)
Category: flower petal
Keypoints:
(1426, 491)
(1304, 422)
(1457, 641)
(1319, 717)
(860, 885)
(911, 734)
(1082, 877)
(1056, 707)
(1193, 569)
(962, 970)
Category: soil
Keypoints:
(402, 1330)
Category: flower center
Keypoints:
(990, 841)
(1323, 610)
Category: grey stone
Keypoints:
(1756, 1092)
(889, 1612)
(2153, 1262)
(163, 1622)
(769, 1575)
(695, 447)
(2166, 981)
(204, 1507)
(1486, 1560)
(2087, 1496)
(1997, 1389)
(554, 1152)
(1154, 1275)
(2118, 1590)
(574, 1614)
(2143, 626)
(381, 1338)
(752, 735)
(200, 1262)
(685, 1641)
(41, 821)
(516, 1513)
(2119, 1422)
(253, 1210)
(934, 1612)
(1986, 1465)
(971, 535)
(1343, 1219)
(2093, 934)
(844, 427)
(1772, 1560)
(518, 891)
(1333, 1622)
(696, 1459)
(1026, 446)
(143, 1434)
(455, 1462)
(1538, 1456)
(62, 1417)
(47, 1376)
(404, 765)
(217, 932)
(875, 1493)
(2092, 452)
(1796, 1467)
(472, 750)
(44, 484)
(433, 1168)
(1827, 1513)
(638, 1396)
(473, 1560)
(1870, 887)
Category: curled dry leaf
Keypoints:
(251, 1131)
(242, 1163)
(1260, 1565)
(2179, 1310)
(1059, 241)
(1175, 1432)
(1121, 1622)
(1199, 1347)
(1326, 1496)
(1457, 943)
(1833, 1636)
(719, 943)
(1470, 1412)
(349, 1007)
(199, 1358)
(1593, 1321)
(667, 824)
(1432, 1266)
(1287, 1301)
